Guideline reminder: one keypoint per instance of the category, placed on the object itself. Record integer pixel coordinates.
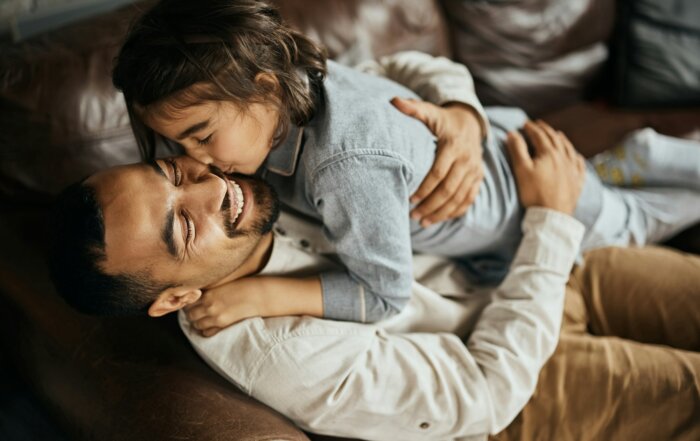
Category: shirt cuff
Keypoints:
(551, 240)
(343, 297)
(469, 99)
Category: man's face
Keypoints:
(180, 221)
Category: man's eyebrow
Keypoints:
(192, 129)
(167, 233)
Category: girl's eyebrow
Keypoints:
(192, 129)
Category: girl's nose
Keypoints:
(200, 154)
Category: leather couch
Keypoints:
(60, 120)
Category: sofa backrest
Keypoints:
(61, 119)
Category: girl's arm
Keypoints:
(261, 296)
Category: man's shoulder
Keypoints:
(238, 351)
(233, 352)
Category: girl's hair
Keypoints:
(220, 46)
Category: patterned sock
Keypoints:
(648, 159)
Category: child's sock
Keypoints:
(648, 159)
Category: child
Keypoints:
(237, 88)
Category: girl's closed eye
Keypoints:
(205, 141)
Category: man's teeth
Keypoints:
(239, 200)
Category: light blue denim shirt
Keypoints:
(353, 168)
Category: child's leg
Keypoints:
(623, 216)
(647, 158)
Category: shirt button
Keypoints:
(304, 243)
(424, 425)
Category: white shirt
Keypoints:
(411, 376)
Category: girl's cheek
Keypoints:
(200, 155)
(223, 153)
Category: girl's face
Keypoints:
(221, 133)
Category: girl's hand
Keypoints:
(225, 305)
(453, 182)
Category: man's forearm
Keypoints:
(438, 80)
(429, 386)
(519, 329)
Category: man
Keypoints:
(153, 237)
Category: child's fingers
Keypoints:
(517, 149)
(211, 332)
(195, 312)
(206, 323)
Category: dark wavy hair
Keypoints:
(220, 46)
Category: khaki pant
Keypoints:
(628, 363)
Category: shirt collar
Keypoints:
(283, 159)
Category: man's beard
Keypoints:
(267, 208)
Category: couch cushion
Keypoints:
(357, 30)
(538, 55)
(657, 53)
(61, 119)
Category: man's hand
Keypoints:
(554, 177)
(225, 305)
(453, 182)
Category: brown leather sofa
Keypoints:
(60, 119)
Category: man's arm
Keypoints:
(362, 382)
(349, 379)
(438, 80)
(460, 126)
(359, 381)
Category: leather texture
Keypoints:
(60, 120)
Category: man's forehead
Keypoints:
(134, 203)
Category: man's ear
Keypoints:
(173, 299)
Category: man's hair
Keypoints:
(76, 253)
(220, 45)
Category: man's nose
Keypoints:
(206, 194)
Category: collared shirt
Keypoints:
(354, 167)
(445, 368)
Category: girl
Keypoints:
(237, 88)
